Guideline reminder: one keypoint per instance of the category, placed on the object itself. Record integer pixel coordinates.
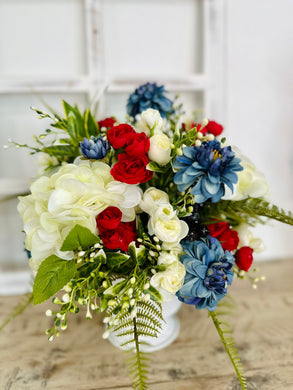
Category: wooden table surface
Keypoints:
(81, 360)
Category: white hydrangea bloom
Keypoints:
(75, 194)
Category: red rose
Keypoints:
(119, 135)
(107, 122)
(131, 169)
(212, 128)
(228, 238)
(244, 258)
(138, 143)
(109, 218)
(120, 237)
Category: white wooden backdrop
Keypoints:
(84, 50)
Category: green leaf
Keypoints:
(115, 288)
(225, 332)
(119, 262)
(53, 274)
(60, 150)
(137, 254)
(154, 293)
(152, 166)
(79, 238)
(67, 108)
(90, 124)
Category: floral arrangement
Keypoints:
(125, 216)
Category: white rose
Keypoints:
(246, 238)
(168, 282)
(152, 198)
(160, 149)
(251, 182)
(167, 258)
(150, 120)
(170, 231)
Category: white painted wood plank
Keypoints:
(15, 283)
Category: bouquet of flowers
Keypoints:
(125, 216)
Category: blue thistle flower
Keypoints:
(208, 273)
(94, 148)
(149, 96)
(207, 169)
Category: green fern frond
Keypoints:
(250, 210)
(27, 299)
(147, 323)
(225, 332)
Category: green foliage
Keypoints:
(225, 332)
(53, 274)
(26, 300)
(250, 210)
(75, 127)
(146, 323)
(79, 238)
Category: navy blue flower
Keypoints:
(208, 273)
(94, 148)
(207, 168)
(149, 96)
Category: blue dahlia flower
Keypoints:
(208, 273)
(94, 148)
(149, 96)
(207, 168)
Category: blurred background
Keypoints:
(229, 59)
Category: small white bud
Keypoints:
(198, 142)
(63, 326)
(153, 271)
(210, 137)
(146, 286)
(130, 292)
(204, 122)
(105, 284)
(133, 313)
(67, 288)
(81, 253)
(132, 302)
(106, 334)
(49, 313)
(152, 253)
(156, 239)
(93, 254)
(199, 135)
(133, 280)
(97, 245)
(65, 298)
(254, 286)
(179, 152)
(51, 338)
(147, 297)
(106, 320)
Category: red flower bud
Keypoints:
(244, 258)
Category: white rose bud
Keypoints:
(160, 149)
(150, 120)
(168, 282)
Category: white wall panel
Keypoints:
(150, 38)
(41, 37)
(260, 95)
